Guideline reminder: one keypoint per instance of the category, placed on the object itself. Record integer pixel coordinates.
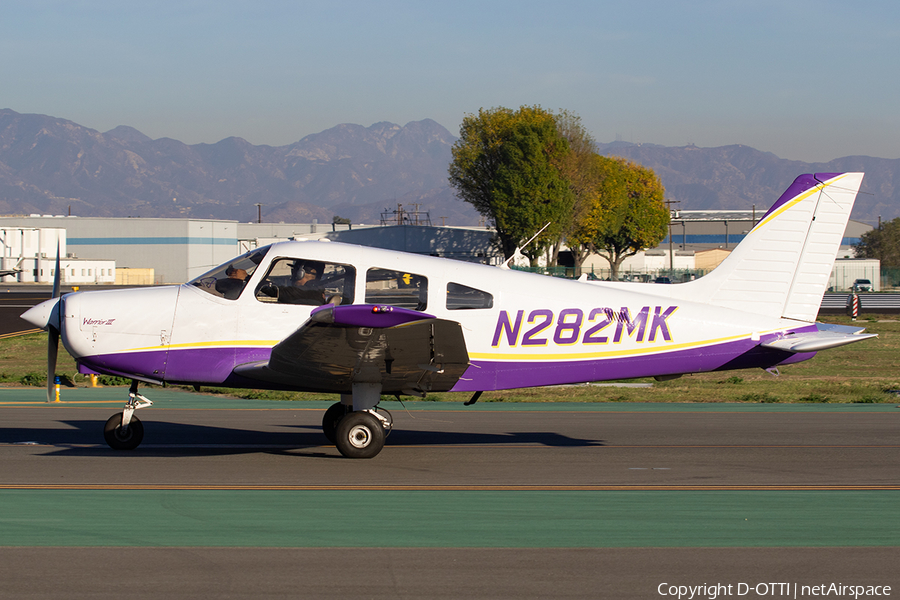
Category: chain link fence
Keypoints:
(598, 274)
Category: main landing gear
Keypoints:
(355, 425)
(124, 431)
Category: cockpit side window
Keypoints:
(463, 297)
(397, 288)
(228, 280)
(310, 282)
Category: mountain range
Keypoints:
(54, 166)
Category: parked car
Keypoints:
(862, 285)
(662, 280)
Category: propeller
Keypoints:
(53, 326)
(48, 315)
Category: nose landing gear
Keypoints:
(124, 431)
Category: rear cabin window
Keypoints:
(463, 297)
(310, 282)
(397, 288)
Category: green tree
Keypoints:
(507, 165)
(882, 243)
(581, 169)
(627, 213)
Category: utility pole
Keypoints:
(669, 204)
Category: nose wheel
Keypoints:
(124, 431)
(123, 438)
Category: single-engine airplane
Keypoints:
(362, 322)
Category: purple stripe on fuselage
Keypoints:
(741, 354)
(215, 366)
(210, 366)
(137, 365)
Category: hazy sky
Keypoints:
(808, 81)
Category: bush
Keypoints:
(814, 397)
(764, 397)
(35, 379)
(112, 380)
(869, 399)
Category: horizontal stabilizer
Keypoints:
(827, 337)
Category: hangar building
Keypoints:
(178, 249)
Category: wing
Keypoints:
(406, 351)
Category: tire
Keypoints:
(359, 435)
(331, 418)
(112, 433)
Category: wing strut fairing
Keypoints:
(404, 350)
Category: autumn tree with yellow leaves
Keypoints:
(627, 214)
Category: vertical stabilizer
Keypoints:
(782, 266)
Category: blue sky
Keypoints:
(808, 81)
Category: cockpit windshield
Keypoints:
(228, 280)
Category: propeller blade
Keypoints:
(53, 334)
(56, 274)
(52, 348)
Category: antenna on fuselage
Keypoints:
(505, 264)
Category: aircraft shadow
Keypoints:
(163, 438)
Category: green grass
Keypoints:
(858, 373)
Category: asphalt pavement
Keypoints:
(235, 498)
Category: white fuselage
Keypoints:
(537, 330)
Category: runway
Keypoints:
(233, 498)
(15, 301)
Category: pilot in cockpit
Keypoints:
(304, 288)
(233, 284)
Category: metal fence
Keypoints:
(889, 276)
(597, 274)
(872, 303)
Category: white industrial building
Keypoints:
(848, 270)
(28, 255)
(177, 249)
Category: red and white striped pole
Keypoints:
(855, 306)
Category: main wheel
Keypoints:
(359, 435)
(331, 418)
(123, 440)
